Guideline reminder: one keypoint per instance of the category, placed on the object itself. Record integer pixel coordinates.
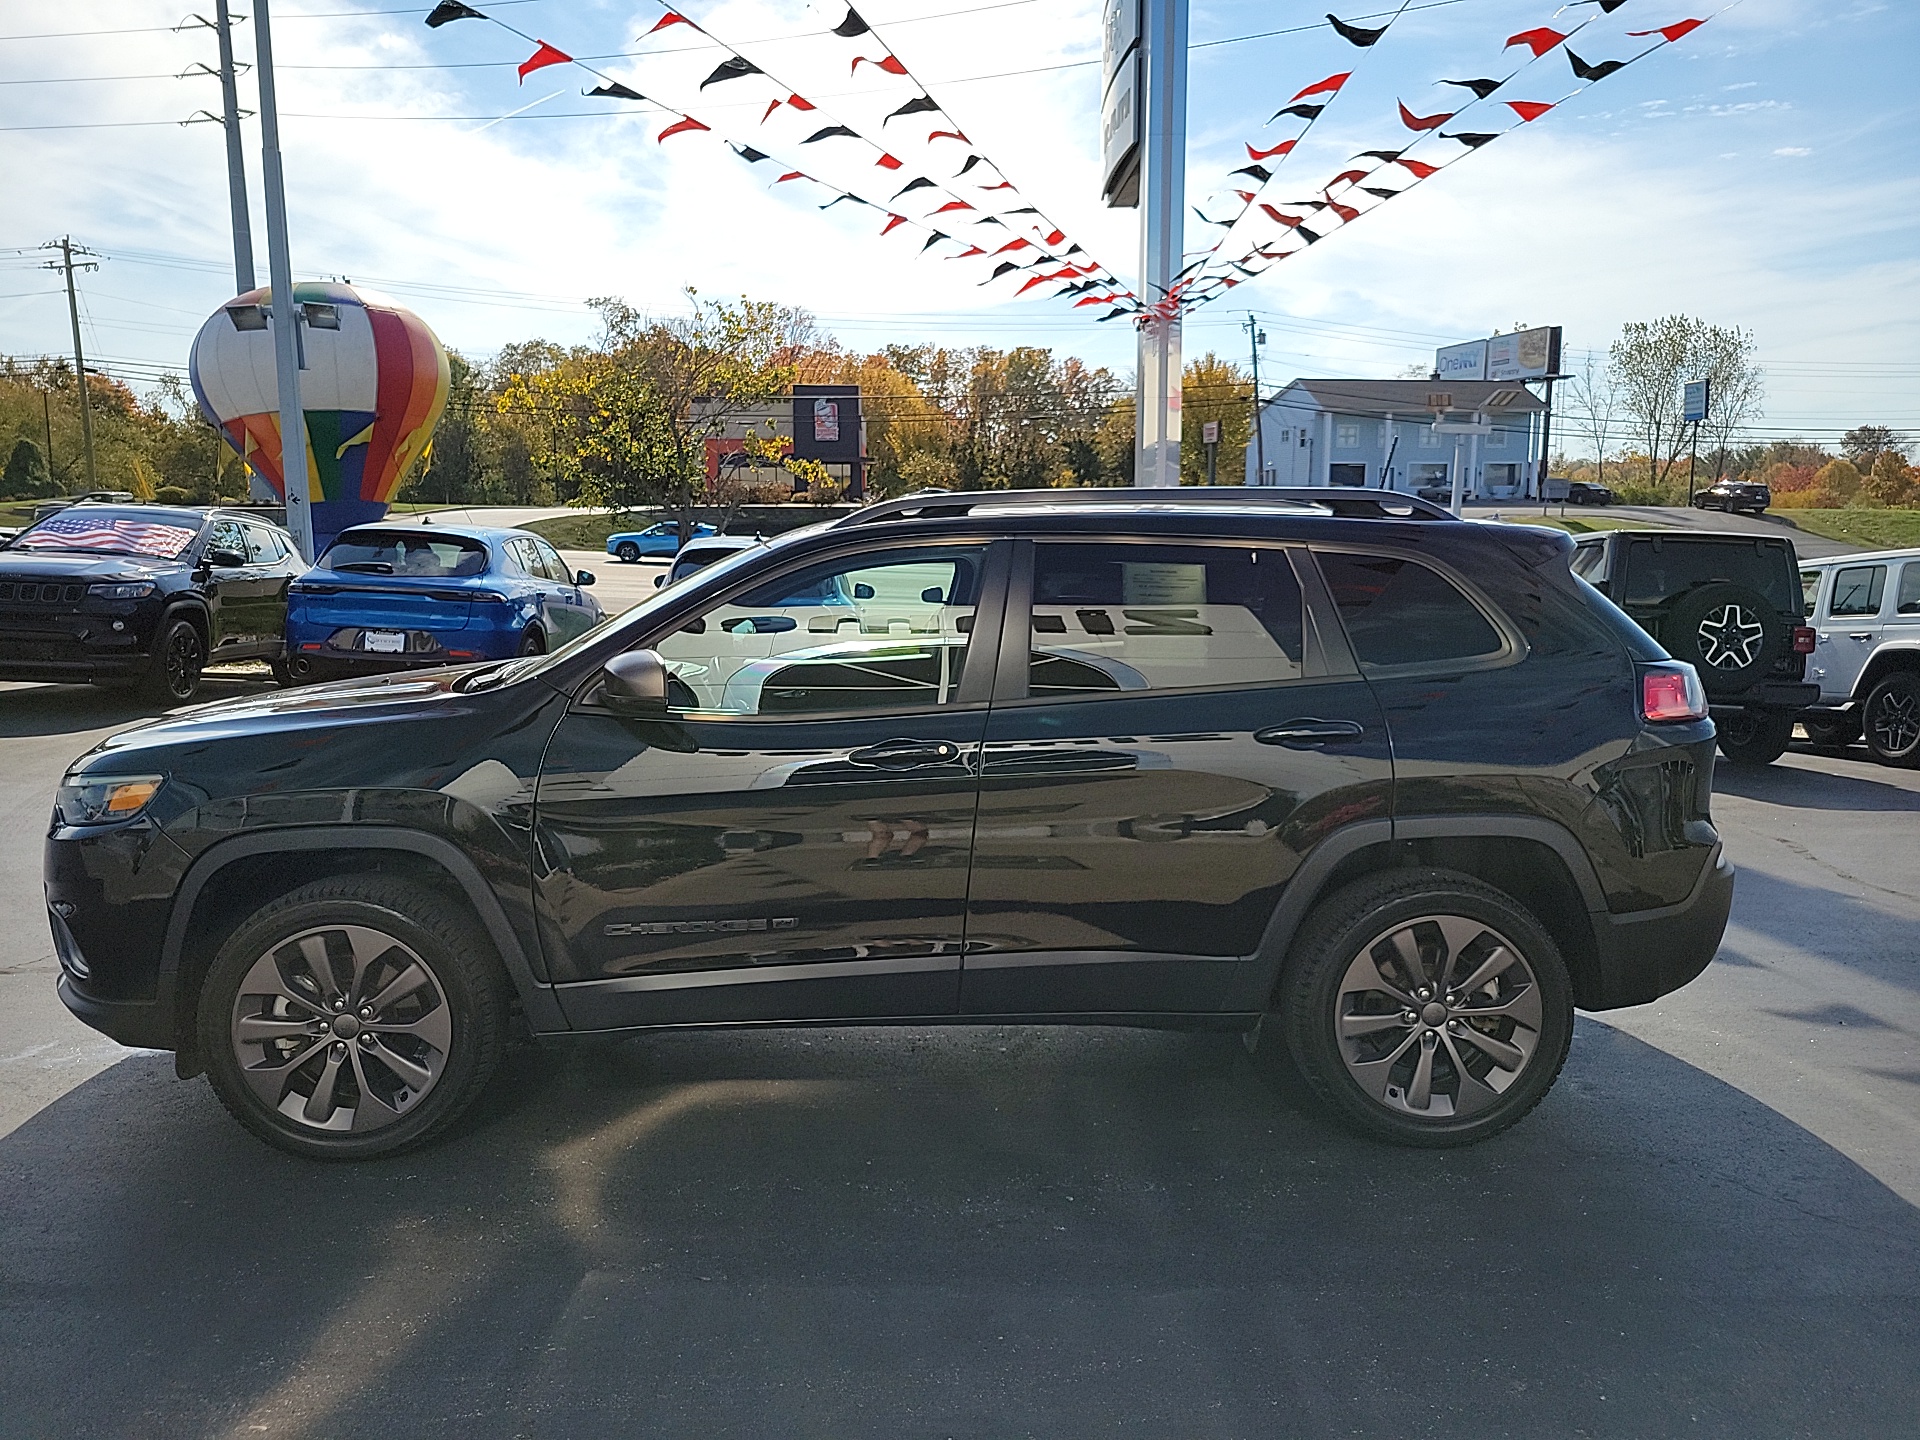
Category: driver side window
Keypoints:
(877, 632)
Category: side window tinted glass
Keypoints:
(1909, 600)
(1589, 561)
(227, 535)
(555, 566)
(887, 631)
(1398, 612)
(1809, 588)
(264, 546)
(525, 557)
(1858, 589)
(1161, 617)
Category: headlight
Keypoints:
(104, 800)
(129, 590)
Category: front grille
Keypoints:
(40, 592)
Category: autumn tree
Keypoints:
(1651, 362)
(1217, 390)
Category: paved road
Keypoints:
(1805, 543)
(1712, 1227)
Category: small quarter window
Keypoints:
(1858, 590)
(1398, 612)
(1809, 589)
(1909, 601)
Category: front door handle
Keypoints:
(906, 754)
(1307, 733)
(1859, 634)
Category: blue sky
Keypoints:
(1762, 173)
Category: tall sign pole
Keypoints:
(1163, 203)
(1256, 337)
(287, 348)
(243, 280)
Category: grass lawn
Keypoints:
(1575, 525)
(1876, 529)
(586, 531)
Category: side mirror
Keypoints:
(634, 685)
(862, 591)
(659, 580)
(226, 559)
(583, 577)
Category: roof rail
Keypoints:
(1350, 503)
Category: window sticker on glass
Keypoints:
(1155, 582)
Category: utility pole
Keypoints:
(68, 250)
(289, 360)
(1256, 337)
(1163, 204)
(236, 165)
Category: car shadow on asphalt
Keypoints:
(29, 710)
(1813, 789)
(999, 1231)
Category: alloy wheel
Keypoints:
(1894, 720)
(1730, 637)
(341, 1028)
(183, 661)
(1438, 1017)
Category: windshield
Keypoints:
(400, 552)
(157, 536)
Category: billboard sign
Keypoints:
(1462, 362)
(1523, 355)
(1696, 399)
(1120, 137)
(826, 423)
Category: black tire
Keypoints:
(450, 1028)
(1755, 737)
(627, 552)
(1831, 734)
(282, 672)
(533, 642)
(1728, 632)
(1890, 720)
(1340, 941)
(179, 656)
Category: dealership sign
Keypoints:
(1120, 104)
(1523, 355)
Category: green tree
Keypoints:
(1891, 481)
(27, 476)
(1651, 361)
(1217, 390)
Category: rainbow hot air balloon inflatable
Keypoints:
(373, 388)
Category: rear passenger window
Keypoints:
(1858, 590)
(1117, 617)
(1809, 590)
(1398, 612)
(1909, 603)
(1589, 562)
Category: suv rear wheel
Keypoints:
(627, 553)
(1755, 737)
(1890, 720)
(1426, 1008)
(353, 1018)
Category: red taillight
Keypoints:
(1671, 691)
(1804, 639)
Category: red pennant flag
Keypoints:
(772, 105)
(890, 65)
(946, 135)
(546, 55)
(1288, 220)
(969, 251)
(1281, 149)
(1420, 168)
(1246, 196)
(799, 104)
(887, 162)
(1003, 185)
(953, 205)
(790, 175)
(685, 124)
(1036, 280)
(1056, 236)
(1422, 122)
(894, 222)
(1671, 32)
(670, 18)
(1527, 109)
(1093, 300)
(1325, 87)
(1347, 175)
(1010, 245)
(1345, 212)
(1539, 41)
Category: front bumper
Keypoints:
(76, 648)
(1645, 954)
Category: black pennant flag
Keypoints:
(934, 239)
(1359, 35)
(1305, 112)
(851, 26)
(1481, 88)
(449, 10)
(1001, 269)
(924, 105)
(614, 90)
(730, 70)
(1383, 194)
(1384, 156)
(1258, 172)
(1584, 71)
(921, 184)
(972, 160)
(749, 154)
(838, 198)
(829, 133)
(1310, 235)
(1470, 140)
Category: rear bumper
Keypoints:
(1772, 695)
(1649, 953)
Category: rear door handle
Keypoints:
(1307, 733)
(906, 754)
(1859, 634)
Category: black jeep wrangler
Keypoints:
(1394, 786)
(1730, 606)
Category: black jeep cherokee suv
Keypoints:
(1396, 785)
(143, 594)
(1730, 605)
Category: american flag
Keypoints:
(116, 534)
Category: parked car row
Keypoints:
(150, 595)
(1866, 659)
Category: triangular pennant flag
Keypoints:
(1310, 235)
(972, 160)
(731, 69)
(829, 132)
(1055, 237)
(1209, 220)
(685, 123)
(953, 205)
(614, 90)
(925, 104)
(1113, 314)
(1010, 245)
(1345, 212)
(792, 175)
(851, 26)
(1480, 88)
(1328, 86)
(1258, 172)
(933, 240)
(772, 105)
(1305, 112)
(1284, 147)
(448, 11)
(891, 65)
(1422, 122)
(749, 154)
(1527, 110)
(1470, 140)
(1357, 34)
(969, 253)
(1005, 267)
(1539, 40)
(1275, 215)
(838, 198)
(1003, 185)
(1388, 156)
(1420, 168)
(1584, 71)
(1672, 32)
(1092, 300)
(546, 55)
(1376, 190)
(1607, 7)
(887, 162)
(670, 18)
(948, 135)
(894, 222)
(920, 184)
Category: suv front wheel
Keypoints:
(353, 1018)
(1890, 720)
(1426, 1008)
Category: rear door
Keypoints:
(795, 843)
(568, 603)
(1849, 627)
(244, 594)
(1172, 733)
(277, 566)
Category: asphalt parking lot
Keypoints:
(1711, 1227)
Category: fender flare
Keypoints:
(537, 998)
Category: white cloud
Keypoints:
(1793, 150)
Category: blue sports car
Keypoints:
(657, 540)
(402, 596)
